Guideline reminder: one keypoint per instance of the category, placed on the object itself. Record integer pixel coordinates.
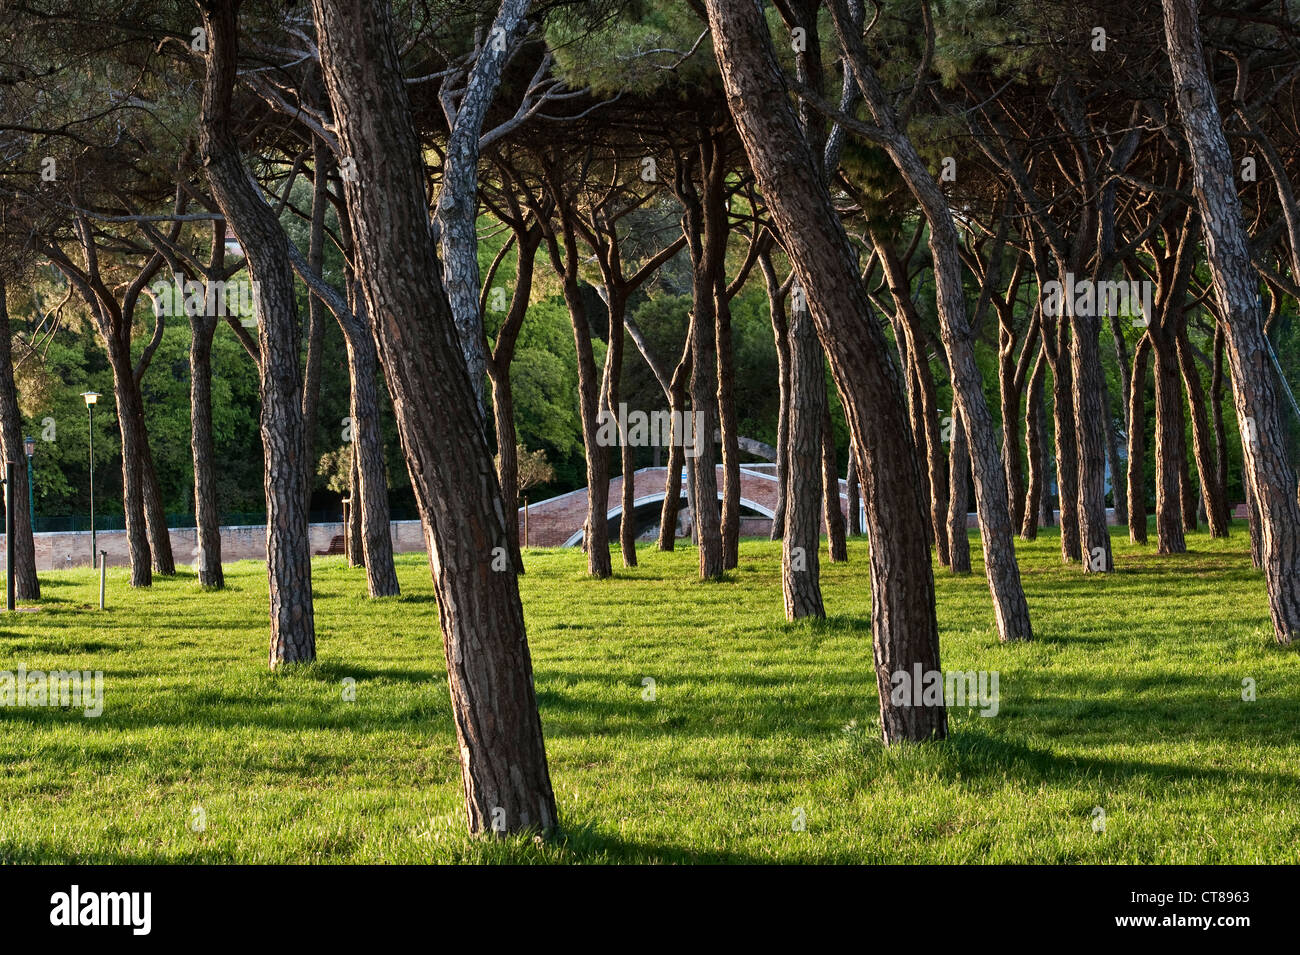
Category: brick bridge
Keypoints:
(557, 522)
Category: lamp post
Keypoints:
(91, 397)
(29, 445)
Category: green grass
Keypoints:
(1129, 699)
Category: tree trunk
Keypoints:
(959, 498)
(800, 562)
(1169, 444)
(370, 487)
(130, 420)
(1090, 424)
(207, 518)
(1235, 284)
(1137, 444)
(669, 512)
(728, 426)
(27, 585)
(1067, 450)
(1009, 605)
(316, 313)
(1035, 438)
(489, 671)
(904, 627)
(776, 297)
(833, 516)
(288, 546)
(855, 494)
(155, 514)
(1212, 492)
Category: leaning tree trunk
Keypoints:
(207, 518)
(958, 498)
(1010, 608)
(836, 546)
(904, 626)
(800, 563)
(26, 584)
(1137, 444)
(288, 546)
(489, 671)
(1228, 251)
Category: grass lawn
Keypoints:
(1130, 699)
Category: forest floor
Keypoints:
(1129, 703)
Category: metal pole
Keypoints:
(91, 410)
(9, 535)
(103, 563)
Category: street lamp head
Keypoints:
(91, 397)
(29, 445)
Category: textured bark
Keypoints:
(728, 426)
(800, 562)
(904, 627)
(958, 498)
(370, 487)
(1067, 452)
(1228, 251)
(26, 584)
(1213, 494)
(207, 518)
(354, 541)
(457, 205)
(316, 312)
(707, 248)
(130, 419)
(288, 549)
(855, 495)
(1170, 537)
(612, 380)
(777, 293)
(833, 516)
(924, 402)
(1009, 605)
(155, 514)
(489, 671)
(1035, 439)
(1090, 428)
(1137, 444)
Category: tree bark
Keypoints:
(1227, 248)
(833, 516)
(1035, 438)
(207, 518)
(777, 294)
(904, 627)
(1137, 444)
(855, 495)
(958, 498)
(800, 543)
(1212, 493)
(27, 585)
(489, 671)
(288, 548)
(1090, 425)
